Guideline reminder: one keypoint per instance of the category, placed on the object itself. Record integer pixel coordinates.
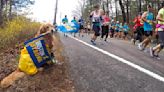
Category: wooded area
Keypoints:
(9, 8)
(122, 10)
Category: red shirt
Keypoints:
(105, 19)
(137, 21)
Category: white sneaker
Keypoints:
(140, 46)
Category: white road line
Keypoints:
(148, 72)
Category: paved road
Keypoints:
(93, 71)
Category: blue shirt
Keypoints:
(148, 25)
(74, 21)
(117, 26)
(81, 22)
(125, 28)
(65, 20)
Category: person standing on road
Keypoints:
(96, 21)
(105, 26)
(148, 18)
(160, 30)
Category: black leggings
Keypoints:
(105, 31)
(139, 34)
(161, 38)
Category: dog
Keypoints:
(54, 43)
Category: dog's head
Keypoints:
(45, 28)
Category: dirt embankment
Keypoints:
(54, 78)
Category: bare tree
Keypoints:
(123, 11)
(80, 9)
(127, 10)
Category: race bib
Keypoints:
(96, 19)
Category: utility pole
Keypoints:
(56, 8)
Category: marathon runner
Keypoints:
(148, 18)
(74, 21)
(105, 26)
(65, 21)
(96, 19)
(125, 29)
(81, 24)
(117, 29)
(154, 52)
(138, 27)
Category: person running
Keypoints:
(138, 27)
(120, 31)
(81, 24)
(154, 52)
(96, 19)
(125, 29)
(88, 28)
(65, 21)
(74, 21)
(105, 26)
(147, 17)
(112, 27)
(117, 28)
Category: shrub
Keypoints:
(17, 31)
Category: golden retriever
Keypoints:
(52, 39)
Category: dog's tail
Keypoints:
(9, 80)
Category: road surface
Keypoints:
(94, 71)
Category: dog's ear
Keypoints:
(41, 30)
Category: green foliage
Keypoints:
(17, 31)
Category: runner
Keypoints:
(65, 21)
(81, 30)
(138, 27)
(125, 29)
(160, 28)
(74, 21)
(96, 19)
(88, 28)
(105, 26)
(117, 28)
(120, 33)
(112, 27)
(147, 17)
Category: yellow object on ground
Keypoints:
(26, 64)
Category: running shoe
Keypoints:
(157, 57)
(93, 42)
(140, 47)
(151, 52)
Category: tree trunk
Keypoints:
(140, 7)
(10, 10)
(116, 9)
(1, 11)
(123, 11)
(107, 5)
(127, 8)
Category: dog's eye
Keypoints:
(47, 26)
